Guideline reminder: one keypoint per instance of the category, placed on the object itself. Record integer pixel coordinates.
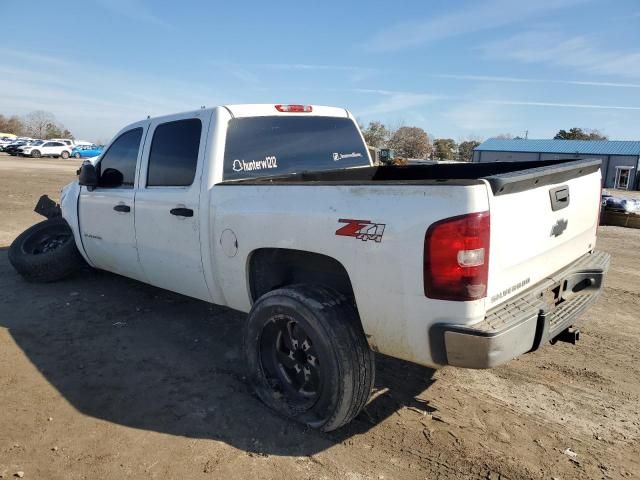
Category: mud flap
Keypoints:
(47, 207)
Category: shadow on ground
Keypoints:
(135, 355)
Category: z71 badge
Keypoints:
(361, 229)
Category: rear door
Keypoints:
(168, 204)
(536, 232)
(107, 213)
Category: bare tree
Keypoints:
(410, 142)
(38, 123)
(42, 124)
(11, 124)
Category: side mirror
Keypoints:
(88, 176)
(111, 178)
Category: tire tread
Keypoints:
(355, 359)
(48, 267)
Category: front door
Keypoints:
(168, 204)
(107, 212)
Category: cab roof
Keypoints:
(269, 109)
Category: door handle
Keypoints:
(560, 197)
(181, 212)
(122, 208)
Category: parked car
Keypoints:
(87, 151)
(67, 141)
(47, 149)
(12, 148)
(32, 143)
(4, 141)
(278, 211)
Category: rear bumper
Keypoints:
(524, 323)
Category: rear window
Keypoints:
(268, 146)
(174, 153)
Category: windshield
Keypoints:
(267, 146)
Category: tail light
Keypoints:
(294, 108)
(456, 258)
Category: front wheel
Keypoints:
(46, 252)
(308, 357)
(36, 153)
(77, 155)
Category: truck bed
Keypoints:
(503, 177)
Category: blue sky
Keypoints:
(458, 69)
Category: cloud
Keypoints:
(395, 101)
(247, 77)
(93, 102)
(135, 10)
(354, 73)
(479, 117)
(479, 16)
(561, 105)
(489, 78)
(575, 52)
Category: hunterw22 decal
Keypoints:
(361, 229)
(242, 166)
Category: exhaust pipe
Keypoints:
(570, 335)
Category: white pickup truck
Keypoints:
(278, 211)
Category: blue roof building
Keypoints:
(620, 159)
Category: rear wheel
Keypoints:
(308, 355)
(65, 154)
(46, 252)
(36, 153)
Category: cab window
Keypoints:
(174, 153)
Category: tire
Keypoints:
(36, 153)
(77, 155)
(64, 154)
(308, 357)
(46, 252)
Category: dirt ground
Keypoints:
(105, 377)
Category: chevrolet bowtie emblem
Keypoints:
(559, 228)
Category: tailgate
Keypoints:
(541, 220)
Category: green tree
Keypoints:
(410, 142)
(580, 134)
(444, 149)
(465, 150)
(54, 131)
(376, 134)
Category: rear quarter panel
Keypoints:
(387, 276)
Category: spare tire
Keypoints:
(46, 252)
